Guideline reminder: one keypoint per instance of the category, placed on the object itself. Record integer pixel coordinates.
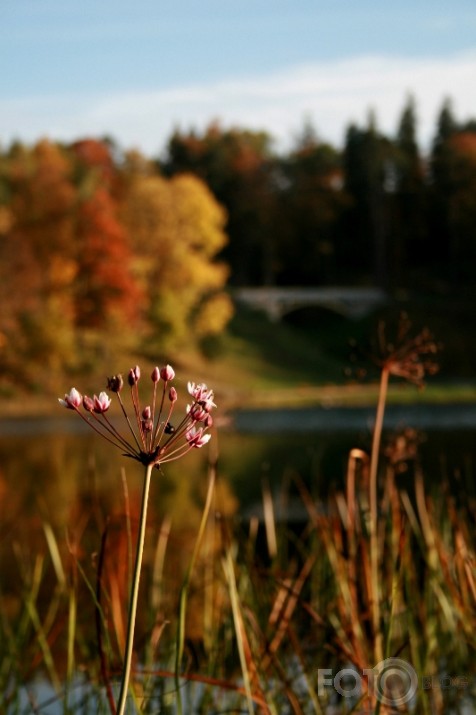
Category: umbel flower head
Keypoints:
(409, 355)
(151, 437)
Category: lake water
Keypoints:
(54, 467)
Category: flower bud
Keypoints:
(134, 375)
(147, 425)
(155, 374)
(172, 394)
(72, 400)
(167, 373)
(101, 403)
(88, 403)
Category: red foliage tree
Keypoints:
(105, 287)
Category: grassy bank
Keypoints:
(304, 360)
(311, 359)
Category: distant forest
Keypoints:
(99, 244)
(375, 212)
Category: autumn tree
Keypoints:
(460, 207)
(176, 228)
(311, 201)
(369, 172)
(63, 243)
(239, 168)
(409, 229)
(105, 293)
(452, 191)
(37, 263)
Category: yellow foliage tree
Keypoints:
(176, 229)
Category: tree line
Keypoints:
(376, 211)
(104, 250)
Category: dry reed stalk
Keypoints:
(283, 609)
(99, 618)
(373, 501)
(249, 669)
(269, 520)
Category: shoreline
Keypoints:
(322, 418)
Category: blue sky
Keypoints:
(134, 70)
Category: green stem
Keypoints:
(374, 460)
(134, 594)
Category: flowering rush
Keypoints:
(152, 439)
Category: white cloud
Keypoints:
(331, 94)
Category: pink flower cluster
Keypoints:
(153, 439)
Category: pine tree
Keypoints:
(409, 234)
(368, 171)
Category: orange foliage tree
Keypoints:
(64, 259)
(36, 262)
(106, 294)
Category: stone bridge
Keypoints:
(353, 303)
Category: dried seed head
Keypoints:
(115, 383)
(407, 354)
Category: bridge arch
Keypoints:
(354, 303)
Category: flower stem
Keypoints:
(134, 594)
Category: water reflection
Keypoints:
(76, 482)
(50, 472)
